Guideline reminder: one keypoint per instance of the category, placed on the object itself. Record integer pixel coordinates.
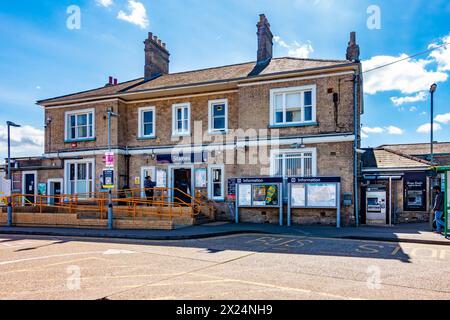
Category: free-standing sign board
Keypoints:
(260, 192)
(314, 193)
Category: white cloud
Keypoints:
(398, 101)
(426, 128)
(394, 130)
(104, 3)
(25, 141)
(413, 109)
(368, 130)
(408, 76)
(442, 54)
(296, 49)
(137, 15)
(443, 118)
(365, 131)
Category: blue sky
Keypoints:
(41, 58)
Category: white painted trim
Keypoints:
(313, 151)
(67, 177)
(239, 144)
(53, 180)
(175, 107)
(210, 182)
(141, 119)
(336, 74)
(67, 114)
(290, 90)
(211, 104)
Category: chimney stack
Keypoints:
(353, 48)
(156, 57)
(265, 40)
(116, 82)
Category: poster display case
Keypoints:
(264, 192)
(314, 193)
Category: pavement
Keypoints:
(235, 267)
(409, 233)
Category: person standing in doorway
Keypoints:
(438, 209)
(149, 186)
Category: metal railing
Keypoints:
(127, 202)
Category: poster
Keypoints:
(298, 195)
(200, 178)
(5, 188)
(265, 195)
(415, 192)
(245, 195)
(161, 178)
(322, 196)
(42, 189)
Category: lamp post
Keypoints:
(10, 124)
(110, 204)
(432, 91)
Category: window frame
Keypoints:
(141, 130)
(211, 168)
(290, 90)
(68, 127)
(67, 180)
(211, 104)
(175, 132)
(275, 153)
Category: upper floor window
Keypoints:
(147, 122)
(80, 124)
(218, 116)
(181, 119)
(291, 106)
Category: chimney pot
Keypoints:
(110, 80)
(115, 82)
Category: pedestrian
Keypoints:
(149, 186)
(438, 209)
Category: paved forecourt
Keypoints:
(235, 267)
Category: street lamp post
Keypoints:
(110, 204)
(432, 91)
(10, 124)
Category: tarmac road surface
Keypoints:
(235, 267)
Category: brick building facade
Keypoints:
(279, 108)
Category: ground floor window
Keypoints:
(80, 177)
(293, 163)
(216, 182)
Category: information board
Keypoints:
(200, 178)
(245, 195)
(321, 195)
(298, 195)
(231, 188)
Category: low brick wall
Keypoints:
(72, 221)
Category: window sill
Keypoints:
(79, 140)
(178, 135)
(218, 132)
(293, 125)
(146, 138)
